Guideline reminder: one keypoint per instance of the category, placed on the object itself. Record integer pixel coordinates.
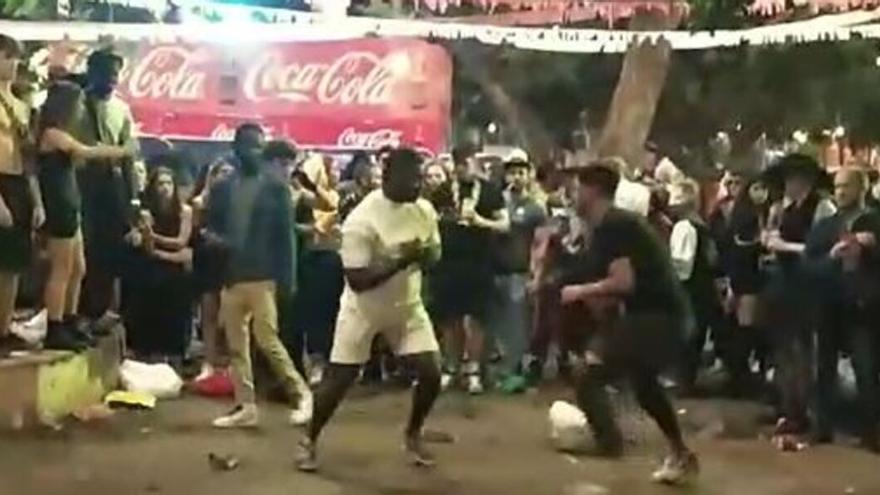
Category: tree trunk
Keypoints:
(638, 90)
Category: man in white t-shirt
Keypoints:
(387, 241)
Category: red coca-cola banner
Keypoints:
(361, 93)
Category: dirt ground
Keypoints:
(501, 447)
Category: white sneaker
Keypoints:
(303, 413)
(207, 370)
(474, 385)
(446, 381)
(316, 374)
(676, 470)
(245, 416)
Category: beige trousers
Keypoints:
(254, 302)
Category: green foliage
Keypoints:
(773, 90)
(28, 9)
(718, 14)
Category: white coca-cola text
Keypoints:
(351, 138)
(355, 78)
(167, 72)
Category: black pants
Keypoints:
(792, 319)
(291, 339)
(317, 302)
(853, 329)
(105, 202)
(708, 317)
(636, 349)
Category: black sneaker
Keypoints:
(103, 325)
(77, 328)
(61, 338)
(416, 452)
(307, 456)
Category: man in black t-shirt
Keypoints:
(462, 281)
(630, 281)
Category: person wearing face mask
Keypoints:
(790, 306)
(250, 215)
(107, 192)
(845, 259)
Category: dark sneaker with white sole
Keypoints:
(416, 452)
(307, 456)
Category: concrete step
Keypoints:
(42, 387)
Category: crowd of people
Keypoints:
(336, 271)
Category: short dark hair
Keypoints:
(462, 152)
(401, 158)
(103, 58)
(601, 176)
(280, 149)
(245, 128)
(10, 46)
(60, 106)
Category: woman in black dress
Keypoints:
(159, 315)
(58, 154)
(208, 263)
(745, 280)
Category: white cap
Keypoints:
(517, 155)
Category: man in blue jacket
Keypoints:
(250, 216)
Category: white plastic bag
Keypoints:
(159, 380)
(568, 426)
(32, 331)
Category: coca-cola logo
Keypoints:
(355, 78)
(168, 72)
(222, 132)
(351, 138)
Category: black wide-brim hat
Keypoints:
(796, 164)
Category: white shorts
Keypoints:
(408, 331)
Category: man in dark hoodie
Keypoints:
(250, 216)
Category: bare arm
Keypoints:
(182, 238)
(181, 256)
(621, 280)
(364, 279)
(36, 196)
(58, 140)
